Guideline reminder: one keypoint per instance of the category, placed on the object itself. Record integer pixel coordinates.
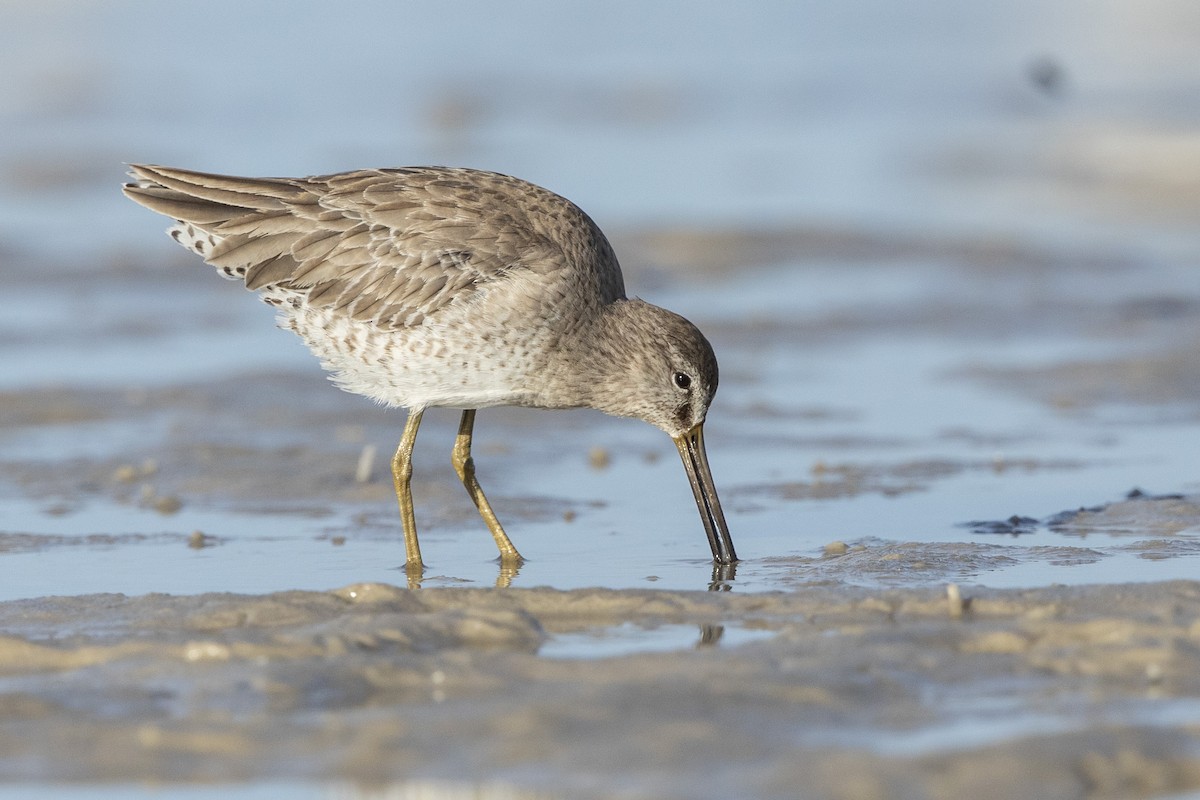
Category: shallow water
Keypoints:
(807, 445)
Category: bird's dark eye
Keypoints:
(682, 380)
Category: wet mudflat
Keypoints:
(1057, 692)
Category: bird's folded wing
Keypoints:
(389, 246)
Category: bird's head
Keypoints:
(658, 367)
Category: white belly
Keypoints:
(455, 363)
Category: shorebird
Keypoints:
(426, 287)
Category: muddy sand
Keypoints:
(1054, 692)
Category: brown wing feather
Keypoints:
(393, 246)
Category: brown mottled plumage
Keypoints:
(437, 286)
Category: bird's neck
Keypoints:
(596, 361)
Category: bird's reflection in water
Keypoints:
(508, 570)
(723, 576)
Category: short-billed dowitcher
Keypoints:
(435, 286)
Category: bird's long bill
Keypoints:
(695, 461)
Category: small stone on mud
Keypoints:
(836, 549)
(148, 497)
(366, 464)
(126, 473)
(599, 458)
(955, 600)
(167, 504)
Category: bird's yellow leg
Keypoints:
(402, 476)
(464, 465)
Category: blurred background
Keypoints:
(1018, 117)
